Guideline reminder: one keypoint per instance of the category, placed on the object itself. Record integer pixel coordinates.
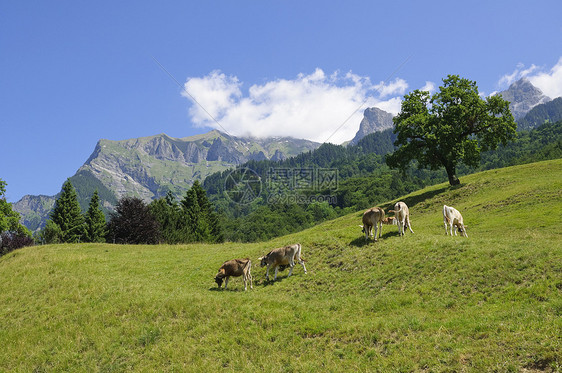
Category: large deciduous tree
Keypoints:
(452, 126)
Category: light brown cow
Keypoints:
(236, 268)
(373, 217)
(391, 220)
(282, 257)
(402, 217)
(452, 217)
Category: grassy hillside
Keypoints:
(423, 302)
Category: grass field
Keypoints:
(423, 302)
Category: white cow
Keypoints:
(402, 217)
(452, 217)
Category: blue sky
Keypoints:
(73, 72)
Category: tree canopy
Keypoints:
(133, 223)
(450, 127)
(13, 234)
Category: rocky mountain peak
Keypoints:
(374, 120)
(523, 96)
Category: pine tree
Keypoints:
(201, 220)
(195, 227)
(68, 215)
(168, 214)
(95, 221)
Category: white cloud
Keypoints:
(550, 83)
(316, 106)
(429, 87)
(398, 86)
(519, 72)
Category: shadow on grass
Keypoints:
(414, 200)
(360, 241)
(256, 282)
(233, 289)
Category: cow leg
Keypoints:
(249, 276)
(291, 264)
(301, 262)
(226, 282)
(267, 273)
(275, 277)
(376, 229)
(291, 270)
(251, 280)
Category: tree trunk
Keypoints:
(451, 174)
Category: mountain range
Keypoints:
(149, 167)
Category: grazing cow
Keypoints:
(372, 218)
(453, 217)
(402, 217)
(282, 257)
(235, 267)
(389, 220)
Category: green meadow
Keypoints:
(425, 302)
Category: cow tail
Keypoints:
(248, 264)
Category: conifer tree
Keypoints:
(168, 214)
(195, 227)
(208, 214)
(95, 221)
(68, 215)
(201, 220)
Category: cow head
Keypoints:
(362, 229)
(219, 280)
(219, 277)
(263, 260)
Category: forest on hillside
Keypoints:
(291, 195)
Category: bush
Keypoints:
(133, 223)
(10, 241)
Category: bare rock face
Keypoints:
(523, 96)
(374, 120)
(149, 167)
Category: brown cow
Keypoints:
(282, 257)
(372, 218)
(235, 267)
